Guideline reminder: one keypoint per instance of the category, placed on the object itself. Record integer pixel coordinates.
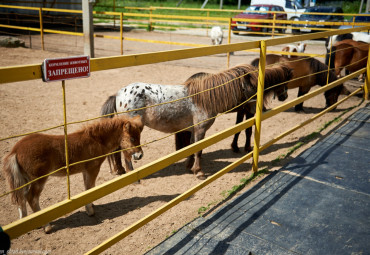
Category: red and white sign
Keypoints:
(57, 69)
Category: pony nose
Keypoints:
(137, 155)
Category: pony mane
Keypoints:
(238, 82)
(318, 67)
(105, 125)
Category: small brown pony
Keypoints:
(39, 154)
(349, 54)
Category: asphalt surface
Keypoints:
(319, 203)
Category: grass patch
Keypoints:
(311, 136)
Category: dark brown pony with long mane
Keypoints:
(349, 54)
(307, 72)
(224, 98)
(302, 67)
(37, 155)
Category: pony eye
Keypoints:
(132, 139)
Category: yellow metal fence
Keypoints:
(152, 21)
(31, 72)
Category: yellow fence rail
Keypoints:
(152, 21)
(31, 72)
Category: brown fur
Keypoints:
(307, 72)
(240, 83)
(351, 55)
(39, 154)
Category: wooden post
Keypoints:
(41, 29)
(88, 27)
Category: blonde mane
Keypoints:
(227, 89)
(234, 84)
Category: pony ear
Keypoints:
(138, 122)
(127, 125)
(285, 49)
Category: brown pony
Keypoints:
(273, 76)
(349, 54)
(307, 72)
(39, 154)
(301, 67)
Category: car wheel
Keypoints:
(295, 31)
(282, 30)
(235, 32)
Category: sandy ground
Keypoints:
(34, 105)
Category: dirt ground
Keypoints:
(34, 105)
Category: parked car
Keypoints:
(358, 20)
(307, 16)
(251, 13)
(293, 8)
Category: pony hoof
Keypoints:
(90, 210)
(201, 176)
(248, 149)
(118, 171)
(235, 149)
(189, 162)
(48, 229)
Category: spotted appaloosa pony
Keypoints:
(39, 154)
(240, 83)
(349, 54)
(301, 47)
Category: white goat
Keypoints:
(301, 47)
(217, 35)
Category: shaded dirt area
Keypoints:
(34, 105)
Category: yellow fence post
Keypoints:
(228, 42)
(65, 137)
(41, 29)
(329, 60)
(259, 104)
(367, 79)
(121, 31)
(273, 25)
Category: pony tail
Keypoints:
(109, 107)
(332, 57)
(13, 174)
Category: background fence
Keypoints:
(69, 22)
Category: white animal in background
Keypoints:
(356, 36)
(301, 47)
(217, 35)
